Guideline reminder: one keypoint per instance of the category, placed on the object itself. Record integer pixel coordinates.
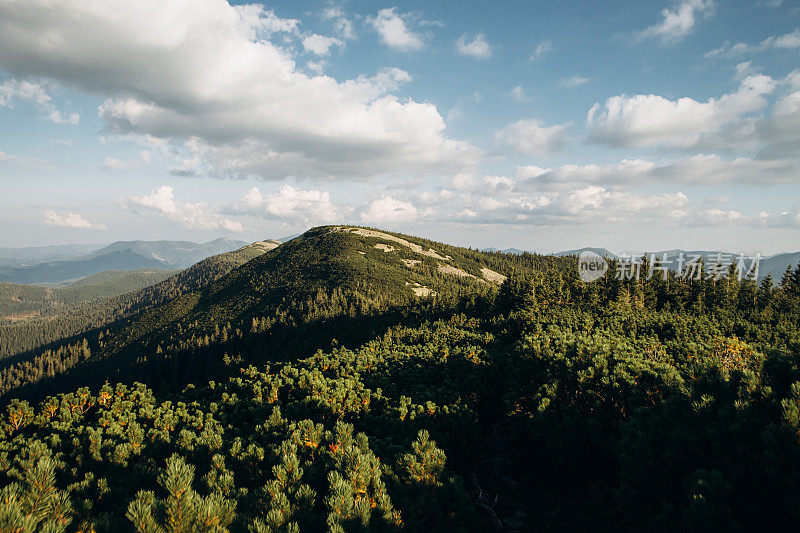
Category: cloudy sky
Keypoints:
(539, 125)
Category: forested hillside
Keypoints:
(22, 302)
(354, 380)
(22, 339)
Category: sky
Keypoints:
(635, 126)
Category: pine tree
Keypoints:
(425, 465)
(183, 510)
(36, 505)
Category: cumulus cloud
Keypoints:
(533, 137)
(36, 93)
(677, 24)
(388, 210)
(738, 122)
(542, 49)
(70, 220)
(787, 41)
(394, 32)
(205, 76)
(650, 120)
(477, 47)
(320, 44)
(291, 204)
(196, 216)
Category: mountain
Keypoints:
(353, 379)
(176, 254)
(602, 252)
(122, 255)
(28, 334)
(20, 257)
(331, 282)
(516, 251)
(343, 266)
(776, 265)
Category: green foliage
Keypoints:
(35, 504)
(183, 510)
(425, 464)
(342, 402)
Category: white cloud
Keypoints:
(320, 44)
(341, 23)
(35, 92)
(677, 24)
(70, 220)
(650, 120)
(518, 94)
(744, 69)
(787, 41)
(541, 50)
(463, 181)
(573, 81)
(393, 30)
(785, 219)
(204, 76)
(317, 67)
(191, 215)
(695, 170)
(533, 137)
(111, 163)
(717, 217)
(477, 47)
(578, 205)
(386, 209)
(309, 207)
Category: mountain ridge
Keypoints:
(120, 255)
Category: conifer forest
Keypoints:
(354, 380)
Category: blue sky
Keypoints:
(539, 125)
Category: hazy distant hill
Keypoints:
(32, 255)
(44, 314)
(599, 251)
(774, 265)
(122, 255)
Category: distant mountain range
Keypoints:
(774, 264)
(122, 255)
(33, 255)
